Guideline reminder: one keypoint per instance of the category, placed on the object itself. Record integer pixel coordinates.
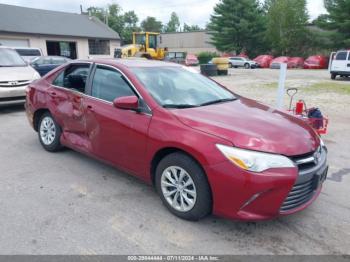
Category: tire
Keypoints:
(230, 65)
(247, 66)
(333, 76)
(49, 133)
(188, 206)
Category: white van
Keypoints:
(15, 75)
(28, 53)
(339, 64)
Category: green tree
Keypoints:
(111, 16)
(337, 21)
(115, 18)
(151, 24)
(98, 12)
(130, 26)
(238, 25)
(174, 23)
(286, 26)
(191, 28)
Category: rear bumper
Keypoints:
(343, 73)
(12, 95)
(247, 196)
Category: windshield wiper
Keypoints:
(179, 106)
(218, 101)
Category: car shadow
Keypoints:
(11, 109)
(343, 79)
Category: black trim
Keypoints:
(343, 73)
(9, 99)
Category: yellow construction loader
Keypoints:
(144, 44)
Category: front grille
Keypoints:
(18, 83)
(299, 195)
(312, 171)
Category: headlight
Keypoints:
(36, 76)
(254, 161)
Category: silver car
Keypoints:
(15, 75)
(242, 62)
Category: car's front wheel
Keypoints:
(183, 187)
(49, 133)
(247, 66)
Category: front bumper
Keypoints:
(248, 196)
(12, 95)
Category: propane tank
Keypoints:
(299, 107)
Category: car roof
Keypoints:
(24, 47)
(131, 63)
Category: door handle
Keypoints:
(348, 65)
(53, 94)
(90, 108)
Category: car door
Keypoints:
(240, 62)
(118, 136)
(339, 64)
(66, 96)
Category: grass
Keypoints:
(328, 87)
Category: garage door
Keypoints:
(14, 42)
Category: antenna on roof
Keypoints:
(81, 9)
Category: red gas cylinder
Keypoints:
(299, 107)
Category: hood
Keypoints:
(17, 73)
(251, 125)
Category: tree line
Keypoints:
(277, 27)
(124, 23)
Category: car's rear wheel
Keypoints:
(247, 66)
(183, 187)
(49, 133)
(333, 76)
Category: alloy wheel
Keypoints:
(47, 130)
(178, 188)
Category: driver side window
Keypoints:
(109, 84)
(73, 77)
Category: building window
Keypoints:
(99, 47)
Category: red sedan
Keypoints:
(316, 62)
(204, 148)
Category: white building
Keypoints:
(56, 33)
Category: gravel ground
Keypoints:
(67, 203)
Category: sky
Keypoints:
(189, 11)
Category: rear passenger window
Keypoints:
(109, 84)
(341, 56)
(73, 77)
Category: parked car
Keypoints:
(28, 53)
(242, 62)
(175, 57)
(340, 64)
(276, 63)
(204, 148)
(15, 75)
(296, 62)
(264, 61)
(316, 62)
(45, 64)
(191, 60)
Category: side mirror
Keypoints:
(127, 102)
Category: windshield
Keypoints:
(177, 87)
(9, 57)
(28, 52)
